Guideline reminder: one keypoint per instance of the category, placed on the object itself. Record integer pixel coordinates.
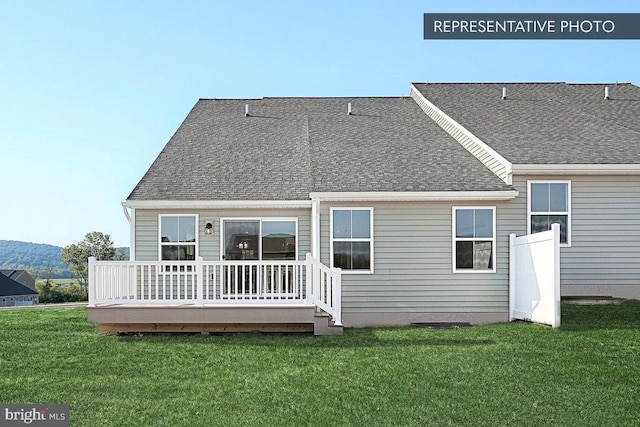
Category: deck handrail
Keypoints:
(204, 283)
(326, 289)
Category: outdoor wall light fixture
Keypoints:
(208, 227)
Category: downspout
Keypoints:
(131, 217)
(315, 229)
(126, 213)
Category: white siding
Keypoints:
(604, 257)
(413, 276)
(147, 229)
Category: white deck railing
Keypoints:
(326, 288)
(204, 283)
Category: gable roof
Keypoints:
(21, 276)
(9, 287)
(546, 123)
(289, 147)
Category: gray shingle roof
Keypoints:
(9, 287)
(20, 276)
(545, 123)
(289, 147)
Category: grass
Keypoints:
(586, 373)
(60, 282)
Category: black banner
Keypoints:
(531, 26)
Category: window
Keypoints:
(549, 202)
(278, 239)
(474, 239)
(352, 239)
(257, 239)
(178, 237)
(260, 239)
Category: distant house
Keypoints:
(252, 205)
(14, 293)
(22, 277)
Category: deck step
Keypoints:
(323, 325)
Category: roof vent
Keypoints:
(246, 110)
(606, 92)
(349, 108)
(504, 93)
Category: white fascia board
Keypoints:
(577, 169)
(493, 153)
(218, 204)
(417, 196)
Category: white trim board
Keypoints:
(217, 204)
(474, 145)
(417, 196)
(366, 196)
(577, 169)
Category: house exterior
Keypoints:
(22, 277)
(379, 211)
(14, 293)
(582, 140)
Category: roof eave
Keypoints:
(416, 196)
(576, 169)
(217, 204)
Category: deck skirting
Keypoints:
(287, 318)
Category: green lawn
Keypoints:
(60, 282)
(586, 373)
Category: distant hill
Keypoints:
(35, 256)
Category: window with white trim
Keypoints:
(178, 237)
(352, 239)
(549, 202)
(474, 239)
(260, 239)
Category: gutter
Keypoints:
(417, 196)
(217, 204)
(576, 169)
(316, 197)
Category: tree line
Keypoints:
(75, 256)
(33, 257)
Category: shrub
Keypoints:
(52, 293)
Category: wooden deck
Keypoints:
(215, 296)
(124, 319)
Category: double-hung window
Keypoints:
(178, 237)
(352, 239)
(549, 202)
(474, 239)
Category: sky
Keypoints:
(91, 91)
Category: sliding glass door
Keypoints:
(269, 239)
